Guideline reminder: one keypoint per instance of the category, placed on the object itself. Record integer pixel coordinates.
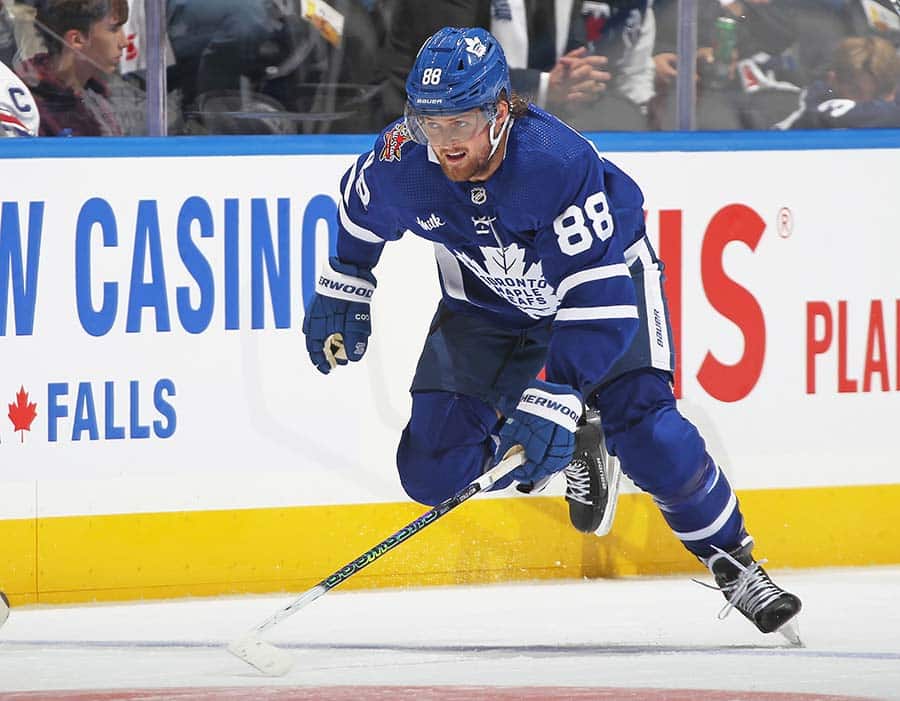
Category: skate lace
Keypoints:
(750, 592)
(578, 481)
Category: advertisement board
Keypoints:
(151, 306)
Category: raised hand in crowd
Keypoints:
(577, 77)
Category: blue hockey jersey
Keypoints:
(820, 108)
(543, 237)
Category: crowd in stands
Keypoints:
(339, 66)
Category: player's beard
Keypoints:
(473, 164)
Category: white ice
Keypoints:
(641, 632)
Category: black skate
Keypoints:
(592, 481)
(749, 589)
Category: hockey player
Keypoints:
(18, 112)
(544, 263)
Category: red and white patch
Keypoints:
(393, 142)
(12, 123)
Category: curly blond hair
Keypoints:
(868, 66)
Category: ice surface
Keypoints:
(658, 633)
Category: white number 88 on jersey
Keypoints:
(576, 231)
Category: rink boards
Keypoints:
(167, 436)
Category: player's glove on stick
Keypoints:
(338, 321)
(544, 425)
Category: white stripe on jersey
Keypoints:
(348, 188)
(451, 273)
(657, 321)
(602, 272)
(355, 230)
(613, 311)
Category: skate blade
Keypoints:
(613, 478)
(791, 632)
(267, 658)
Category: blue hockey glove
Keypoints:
(544, 425)
(338, 321)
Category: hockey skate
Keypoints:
(592, 481)
(749, 589)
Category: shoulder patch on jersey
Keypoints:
(394, 141)
(13, 125)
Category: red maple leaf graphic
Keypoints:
(22, 413)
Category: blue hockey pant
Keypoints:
(664, 455)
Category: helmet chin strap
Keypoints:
(495, 140)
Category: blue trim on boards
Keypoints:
(181, 146)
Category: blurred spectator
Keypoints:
(408, 23)
(747, 74)
(28, 41)
(535, 37)
(223, 45)
(860, 91)
(134, 61)
(7, 36)
(84, 41)
(18, 113)
(128, 89)
(878, 17)
(624, 33)
(557, 50)
(821, 25)
(274, 66)
(348, 93)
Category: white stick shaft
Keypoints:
(500, 470)
(486, 481)
(304, 599)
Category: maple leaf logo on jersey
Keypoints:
(393, 142)
(22, 413)
(508, 274)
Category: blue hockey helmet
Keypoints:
(456, 70)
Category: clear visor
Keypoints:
(445, 129)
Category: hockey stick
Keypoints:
(275, 662)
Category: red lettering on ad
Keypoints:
(876, 349)
(876, 371)
(730, 383)
(815, 344)
(845, 384)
